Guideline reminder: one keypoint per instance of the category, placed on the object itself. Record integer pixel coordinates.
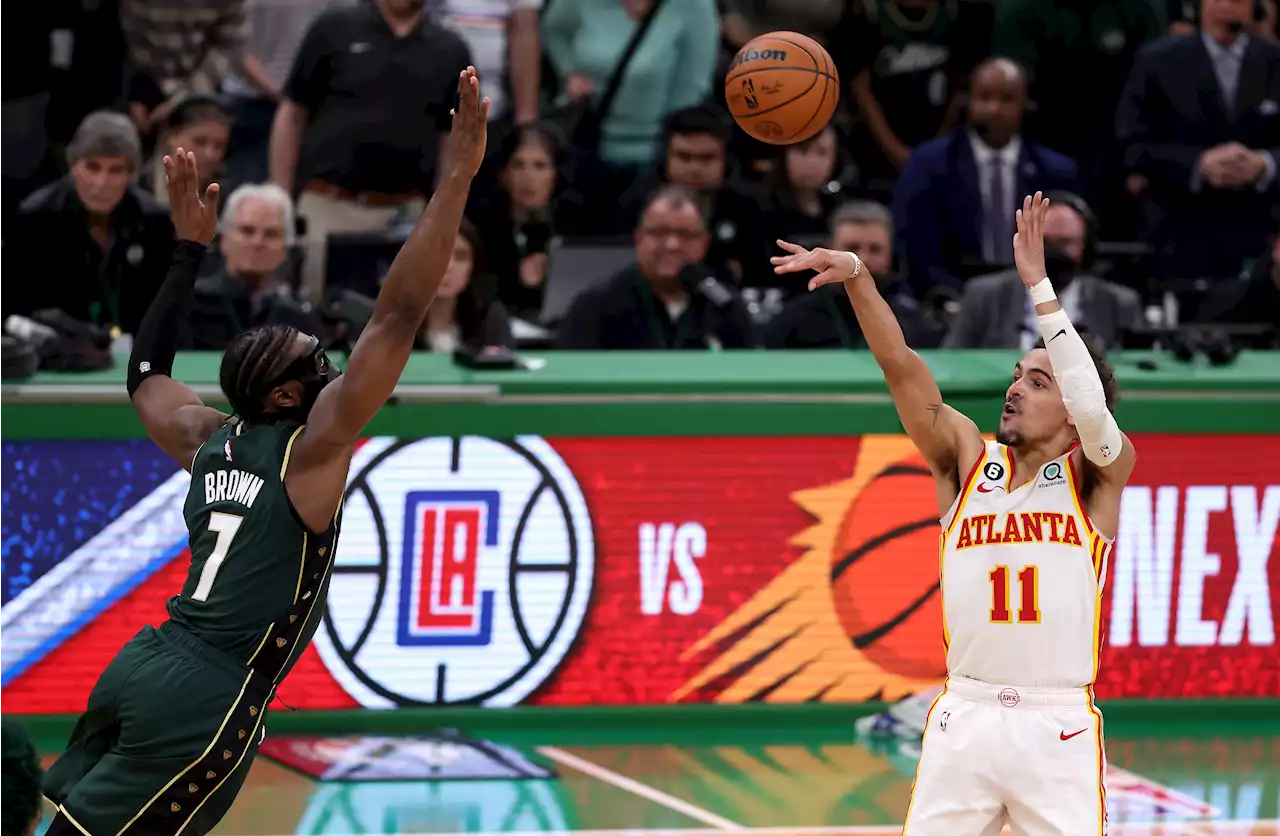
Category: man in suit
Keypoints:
(995, 311)
(1200, 123)
(954, 204)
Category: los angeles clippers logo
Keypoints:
(440, 602)
(465, 572)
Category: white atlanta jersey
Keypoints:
(1022, 573)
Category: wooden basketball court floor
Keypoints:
(1181, 780)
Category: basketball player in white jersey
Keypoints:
(1027, 525)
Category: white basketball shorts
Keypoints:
(994, 754)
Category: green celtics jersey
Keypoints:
(258, 578)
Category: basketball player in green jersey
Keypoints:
(175, 720)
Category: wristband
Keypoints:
(857, 267)
(1042, 291)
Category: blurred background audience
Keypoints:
(620, 207)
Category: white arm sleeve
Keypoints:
(1081, 388)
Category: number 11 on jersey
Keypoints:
(1029, 594)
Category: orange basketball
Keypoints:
(884, 572)
(782, 88)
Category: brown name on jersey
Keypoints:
(232, 486)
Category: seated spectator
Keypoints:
(695, 157)
(669, 299)
(531, 205)
(464, 312)
(20, 776)
(803, 191)
(248, 290)
(1254, 298)
(955, 202)
(198, 124)
(824, 318)
(1199, 121)
(996, 311)
(906, 62)
(672, 68)
(358, 134)
(90, 243)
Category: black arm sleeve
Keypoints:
(160, 334)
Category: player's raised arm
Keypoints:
(174, 416)
(948, 440)
(345, 406)
(1107, 451)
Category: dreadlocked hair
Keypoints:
(21, 774)
(249, 365)
(1106, 373)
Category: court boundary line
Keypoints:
(1191, 827)
(631, 785)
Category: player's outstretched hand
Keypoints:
(1028, 241)
(467, 138)
(195, 216)
(831, 265)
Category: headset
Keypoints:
(1077, 204)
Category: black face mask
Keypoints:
(1059, 266)
(314, 371)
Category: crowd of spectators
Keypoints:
(619, 207)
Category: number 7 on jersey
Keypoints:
(225, 526)
(1029, 593)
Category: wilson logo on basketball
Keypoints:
(863, 598)
(748, 55)
(782, 88)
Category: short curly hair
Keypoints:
(20, 776)
(1106, 372)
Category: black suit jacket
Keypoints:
(1171, 112)
(937, 205)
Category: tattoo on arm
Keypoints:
(935, 408)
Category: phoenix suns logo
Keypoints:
(850, 619)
